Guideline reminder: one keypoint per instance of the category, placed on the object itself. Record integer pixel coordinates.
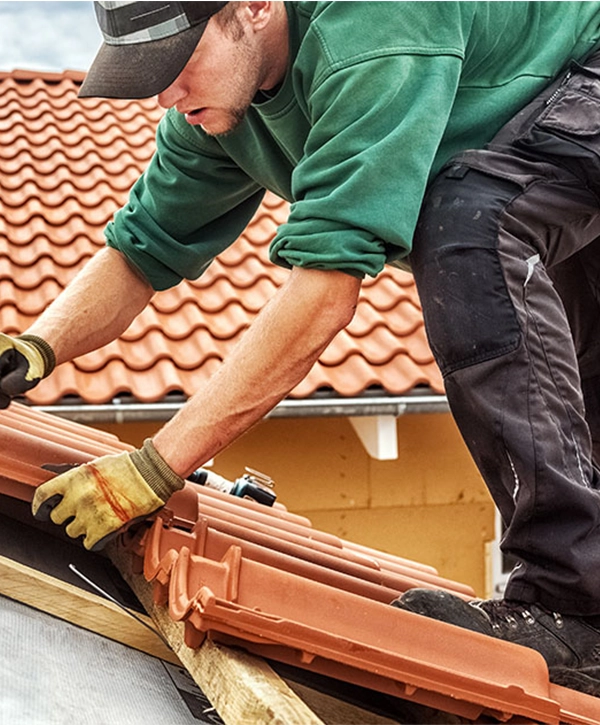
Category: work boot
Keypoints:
(570, 645)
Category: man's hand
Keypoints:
(105, 496)
(24, 361)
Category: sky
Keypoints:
(52, 36)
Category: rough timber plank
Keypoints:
(75, 605)
(241, 687)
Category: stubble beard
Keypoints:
(235, 118)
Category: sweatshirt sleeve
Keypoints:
(375, 128)
(189, 205)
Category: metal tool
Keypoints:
(252, 484)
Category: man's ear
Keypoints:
(258, 14)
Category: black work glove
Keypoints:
(24, 361)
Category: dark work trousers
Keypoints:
(506, 259)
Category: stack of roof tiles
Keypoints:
(264, 579)
(66, 165)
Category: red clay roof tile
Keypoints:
(66, 165)
(264, 579)
(270, 609)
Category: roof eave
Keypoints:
(119, 412)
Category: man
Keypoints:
(350, 111)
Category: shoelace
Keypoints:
(502, 612)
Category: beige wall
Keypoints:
(430, 505)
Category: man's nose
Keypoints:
(171, 95)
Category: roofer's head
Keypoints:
(207, 59)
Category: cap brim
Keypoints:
(140, 70)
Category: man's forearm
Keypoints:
(275, 354)
(95, 308)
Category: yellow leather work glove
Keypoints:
(24, 361)
(105, 496)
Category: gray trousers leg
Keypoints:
(484, 256)
(506, 258)
(577, 281)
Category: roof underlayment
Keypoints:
(52, 673)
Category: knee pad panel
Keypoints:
(469, 315)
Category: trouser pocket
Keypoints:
(567, 129)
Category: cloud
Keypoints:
(51, 36)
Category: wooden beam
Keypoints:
(241, 687)
(75, 605)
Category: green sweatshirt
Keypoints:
(378, 95)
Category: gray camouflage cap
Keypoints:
(146, 46)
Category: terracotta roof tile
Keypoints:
(265, 579)
(66, 165)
